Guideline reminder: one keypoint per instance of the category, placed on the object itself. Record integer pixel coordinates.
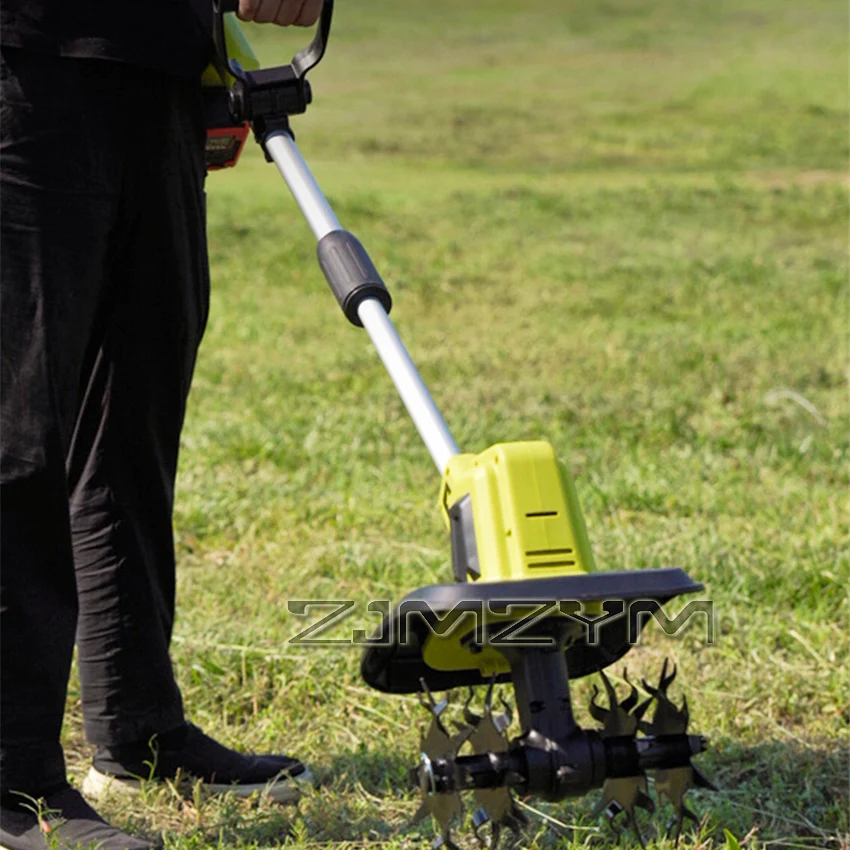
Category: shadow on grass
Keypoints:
(379, 774)
(785, 794)
(794, 792)
(788, 794)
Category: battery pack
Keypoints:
(224, 144)
(225, 137)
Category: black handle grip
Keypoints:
(311, 55)
(301, 63)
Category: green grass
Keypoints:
(619, 225)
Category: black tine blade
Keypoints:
(597, 712)
(609, 689)
(488, 699)
(650, 689)
(421, 813)
(641, 709)
(468, 715)
(702, 781)
(508, 713)
(424, 692)
(665, 680)
(636, 830)
(682, 813)
(687, 813)
(445, 840)
(645, 802)
(632, 699)
(472, 719)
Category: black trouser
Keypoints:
(105, 292)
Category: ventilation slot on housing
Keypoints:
(541, 513)
(553, 564)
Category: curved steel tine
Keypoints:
(665, 680)
(609, 689)
(488, 699)
(431, 704)
(639, 712)
(519, 821)
(463, 735)
(495, 834)
(616, 819)
(702, 781)
(469, 715)
(511, 817)
(687, 813)
(509, 712)
(446, 837)
(597, 712)
(506, 717)
(435, 735)
(447, 810)
(423, 692)
(631, 700)
(680, 823)
(652, 691)
(683, 812)
(660, 693)
(633, 821)
(645, 802)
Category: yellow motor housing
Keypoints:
(523, 570)
(513, 513)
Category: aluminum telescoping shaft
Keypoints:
(322, 220)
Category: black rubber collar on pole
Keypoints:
(351, 273)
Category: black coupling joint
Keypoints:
(269, 94)
(351, 273)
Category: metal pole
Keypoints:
(322, 220)
(427, 418)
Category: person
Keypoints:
(103, 303)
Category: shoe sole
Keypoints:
(286, 789)
(158, 846)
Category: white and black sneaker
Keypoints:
(188, 752)
(62, 820)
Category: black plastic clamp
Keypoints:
(268, 97)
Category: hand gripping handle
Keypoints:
(302, 62)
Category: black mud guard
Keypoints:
(393, 661)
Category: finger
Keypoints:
(247, 9)
(309, 14)
(268, 11)
(288, 12)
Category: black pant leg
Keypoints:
(123, 460)
(59, 185)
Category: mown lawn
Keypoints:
(620, 226)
